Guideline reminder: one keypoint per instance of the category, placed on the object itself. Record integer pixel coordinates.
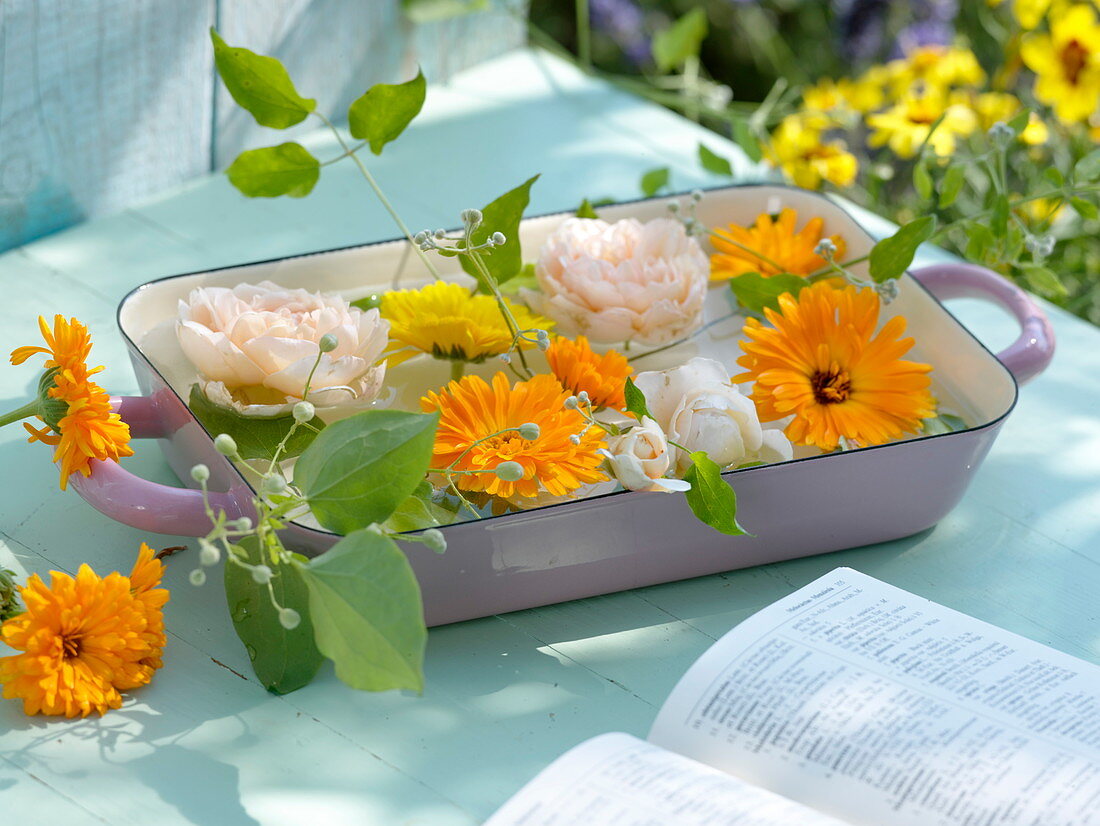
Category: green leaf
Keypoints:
(1054, 175)
(260, 85)
(381, 114)
(943, 423)
(710, 498)
(419, 511)
(368, 302)
(951, 185)
(1043, 280)
(525, 280)
(257, 437)
(998, 221)
(586, 210)
(286, 169)
(284, 660)
(755, 291)
(891, 256)
(431, 11)
(635, 401)
(367, 615)
(922, 179)
(654, 181)
(1088, 168)
(1018, 122)
(714, 163)
(743, 136)
(1086, 209)
(980, 239)
(501, 215)
(359, 469)
(674, 45)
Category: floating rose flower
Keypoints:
(641, 457)
(255, 346)
(698, 408)
(626, 281)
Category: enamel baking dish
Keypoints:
(615, 541)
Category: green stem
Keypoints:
(759, 255)
(24, 412)
(513, 326)
(458, 369)
(380, 195)
(683, 340)
(584, 34)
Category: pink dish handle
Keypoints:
(1029, 354)
(115, 492)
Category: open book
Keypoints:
(848, 702)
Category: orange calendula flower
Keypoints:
(80, 421)
(578, 368)
(84, 639)
(770, 247)
(822, 362)
(478, 431)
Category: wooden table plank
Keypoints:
(504, 695)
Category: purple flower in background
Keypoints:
(622, 21)
(861, 26)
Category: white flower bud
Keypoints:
(543, 344)
(510, 471)
(825, 248)
(575, 438)
(289, 618)
(328, 343)
(261, 575)
(273, 484)
(498, 238)
(471, 218)
(440, 234)
(583, 397)
(696, 195)
(673, 207)
(1001, 133)
(529, 430)
(208, 553)
(224, 444)
(198, 577)
(434, 540)
(304, 412)
(571, 403)
(421, 236)
(507, 359)
(200, 473)
(242, 524)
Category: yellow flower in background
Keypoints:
(578, 368)
(940, 67)
(80, 420)
(1043, 211)
(822, 362)
(84, 639)
(472, 414)
(905, 125)
(1066, 63)
(799, 147)
(445, 320)
(992, 107)
(780, 247)
(868, 91)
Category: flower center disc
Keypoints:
(831, 386)
(1074, 57)
(70, 647)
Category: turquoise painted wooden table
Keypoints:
(205, 744)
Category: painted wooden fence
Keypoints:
(104, 103)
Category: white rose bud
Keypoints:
(224, 444)
(200, 473)
(640, 458)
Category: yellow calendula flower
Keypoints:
(992, 107)
(771, 246)
(84, 639)
(823, 361)
(867, 92)
(477, 431)
(80, 420)
(905, 125)
(807, 157)
(448, 322)
(940, 67)
(1066, 63)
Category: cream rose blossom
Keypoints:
(697, 407)
(254, 346)
(640, 458)
(626, 281)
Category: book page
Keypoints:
(877, 706)
(619, 780)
